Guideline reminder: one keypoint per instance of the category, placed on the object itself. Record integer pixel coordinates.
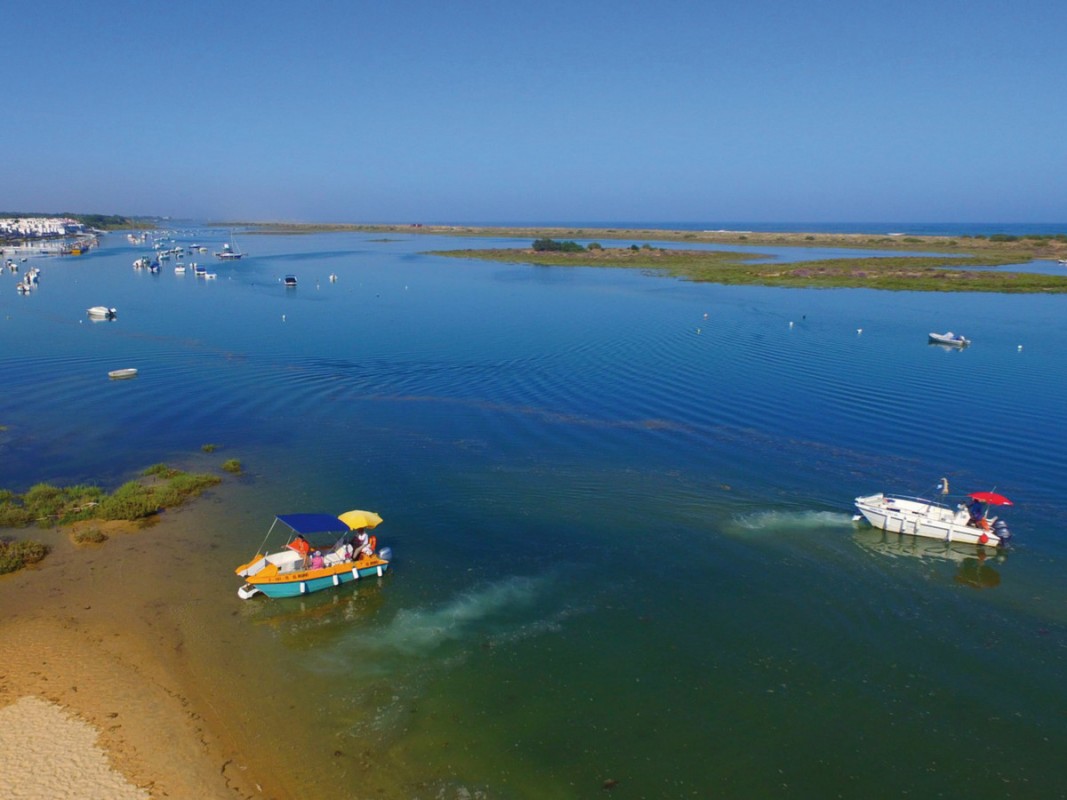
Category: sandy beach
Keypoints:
(95, 700)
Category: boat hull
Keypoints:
(925, 518)
(948, 339)
(307, 581)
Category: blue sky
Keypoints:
(410, 111)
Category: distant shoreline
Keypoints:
(1031, 246)
(909, 272)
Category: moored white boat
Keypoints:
(230, 251)
(101, 312)
(119, 374)
(918, 516)
(339, 557)
(949, 338)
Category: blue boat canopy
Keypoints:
(313, 523)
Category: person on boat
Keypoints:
(317, 561)
(977, 510)
(365, 543)
(301, 545)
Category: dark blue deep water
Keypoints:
(620, 506)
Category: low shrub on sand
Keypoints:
(15, 555)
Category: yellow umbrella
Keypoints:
(360, 519)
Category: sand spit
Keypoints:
(47, 753)
(93, 673)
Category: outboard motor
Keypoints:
(386, 554)
(1000, 528)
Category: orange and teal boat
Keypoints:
(321, 551)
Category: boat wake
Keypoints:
(788, 521)
(387, 668)
(480, 611)
(491, 614)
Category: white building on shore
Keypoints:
(39, 227)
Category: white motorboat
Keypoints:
(101, 312)
(949, 338)
(120, 374)
(916, 516)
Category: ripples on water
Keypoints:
(621, 507)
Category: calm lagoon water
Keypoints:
(621, 511)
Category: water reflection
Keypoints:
(317, 619)
(975, 564)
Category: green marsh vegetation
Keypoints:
(14, 554)
(913, 270)
(45, 505)
(157, 488)
(904, 272)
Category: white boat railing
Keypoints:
(924, 500)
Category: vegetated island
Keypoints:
(137, 501)
(951, 272)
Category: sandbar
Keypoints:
(92, 679)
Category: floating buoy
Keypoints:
(283, 317)
(1020, 347)
(859, 330)
(790, 323)
(698, 331)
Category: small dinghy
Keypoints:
(101, 312)
(122, 374)
(949, 338)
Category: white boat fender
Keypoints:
(355, 573)
(336, 580)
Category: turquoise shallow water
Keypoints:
(620, 506)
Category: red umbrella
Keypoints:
(992, 498)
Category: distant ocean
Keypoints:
(874, 228)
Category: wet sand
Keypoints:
(87, 642)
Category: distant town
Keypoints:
(22, 228)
